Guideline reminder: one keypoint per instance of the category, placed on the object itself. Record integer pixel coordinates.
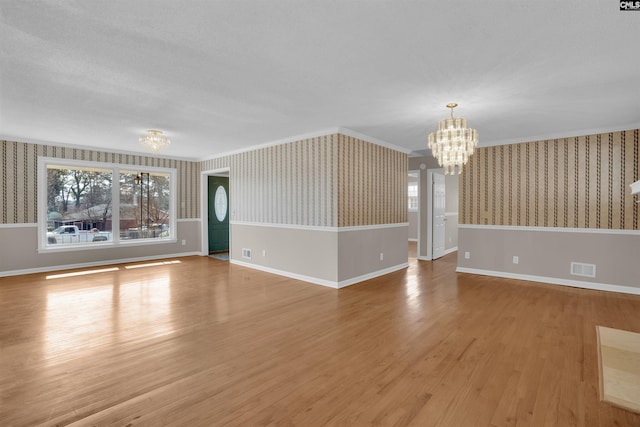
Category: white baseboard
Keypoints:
(413, 240)
(451, 250)
(553, 281)
(446, 252)
(92, 264)
(368, 276)
(318, 281)
(314, 280)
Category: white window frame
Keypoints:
(115, 168)
(416, 196)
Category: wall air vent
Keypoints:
(582, 269)
(246, 253)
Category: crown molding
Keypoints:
(561, 135)
(9, 138)
(317, 134)
(372, 140)
(295, 138)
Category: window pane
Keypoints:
(412, 192)
(78, 205)
(144, 205)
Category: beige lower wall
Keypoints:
(413, 225)
(298, 251)
(331, 257)
(359, 251)
(548, 254)
(19, 250)
(451, 232)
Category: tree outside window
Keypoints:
(80, 206)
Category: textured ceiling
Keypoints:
(218, 76)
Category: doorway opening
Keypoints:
(441, 223)
(438, 216)
(413, 211)
(215, 214)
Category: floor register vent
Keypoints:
(246, 253)
(582, 269)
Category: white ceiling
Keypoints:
(218, 76)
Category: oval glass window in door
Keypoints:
(220, 203)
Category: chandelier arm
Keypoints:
(453, 143)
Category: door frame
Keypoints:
(204, 207)
(418, 171)
(430, 172)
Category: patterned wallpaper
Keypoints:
(578, 182)
(372, 183)
(293, 183)
(326, 181)
(331, 181)
(18, 177)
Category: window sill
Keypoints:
(105, 245)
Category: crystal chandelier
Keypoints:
(154, 141)
(453, 143)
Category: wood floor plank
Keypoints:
(201, 342)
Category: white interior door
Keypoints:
(438, 215)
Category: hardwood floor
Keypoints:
(203, 342)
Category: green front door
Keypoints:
(218, 214)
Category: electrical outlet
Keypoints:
(381, 256)
(264, 252)
(184, 242)
(516, 259)
(467, 255)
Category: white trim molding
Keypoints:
(550, 229)
(446, 252)
(320, 228)
(282, 141)
(318, 281)
(302, 277)
(290, 226)
(101, 149)
(372, 227)
(20, 225)
(372, 140)
(553, 280)
(358, 279)
(450, 250)
(317, 134)
(559, 135)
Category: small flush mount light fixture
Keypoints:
(154, 141)
(453, 142)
